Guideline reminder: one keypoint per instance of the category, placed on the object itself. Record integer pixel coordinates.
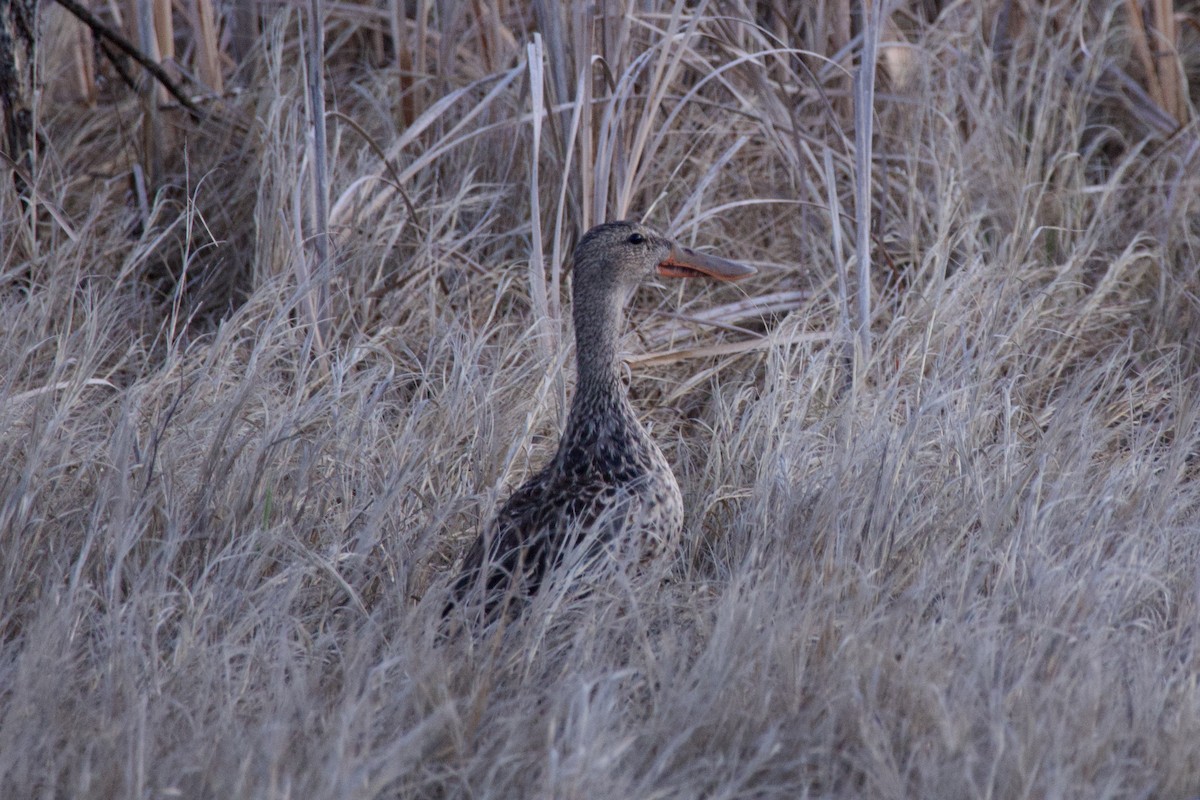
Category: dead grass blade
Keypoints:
(30, 394)
(317, 297)
(664, 357)
(864, 120)
(1156, 47)
(545, 309)
(207, 55)
(728, 315)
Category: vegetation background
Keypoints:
(268, 364)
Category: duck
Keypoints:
(608, 496)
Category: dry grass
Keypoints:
(965, 565)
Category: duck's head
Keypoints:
(617, 256)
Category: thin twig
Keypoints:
(395, 182)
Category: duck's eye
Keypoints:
(636, 238)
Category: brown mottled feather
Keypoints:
(608, 494)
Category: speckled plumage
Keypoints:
(608, 495)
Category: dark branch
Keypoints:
(105, 32)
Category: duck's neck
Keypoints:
(603, 436)
(597, 338)
(600, 395)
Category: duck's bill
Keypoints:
(684, 262)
